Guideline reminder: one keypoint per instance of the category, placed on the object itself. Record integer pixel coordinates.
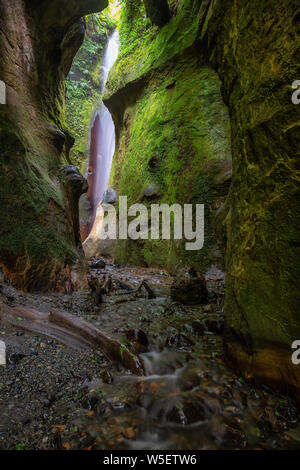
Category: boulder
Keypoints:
(109, 196)
(97, 264)
(189, 287)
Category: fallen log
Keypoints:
(71, 331)
(111, 347)
(134, 292)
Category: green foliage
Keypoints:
(135, 28)
(20, 446)
(84, 82)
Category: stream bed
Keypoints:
(54, 397)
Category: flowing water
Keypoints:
(188, 398)
(102, 146)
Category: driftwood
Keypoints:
(146, 286)
(71, 331)
(143, 284)
(99, 288)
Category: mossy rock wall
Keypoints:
(254, 47)
(38, 249)
(174, 133)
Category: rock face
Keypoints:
(158, 11)
(243, 43)
(38, 245)
(173, 140)
(189, 287)
(74, 186)
(262, 272)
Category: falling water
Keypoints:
(102, 135)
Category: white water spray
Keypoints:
(103, 133)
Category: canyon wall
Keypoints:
(173, 134)
(213, 82)
(171, 123)
(39, 249)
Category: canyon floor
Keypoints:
(56, 397)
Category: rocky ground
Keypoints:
(54, 397)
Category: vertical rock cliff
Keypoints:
(38, 40)
(165, 97)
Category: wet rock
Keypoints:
(198, 328)
(106, 376)
(97, 264)
(176, 415)
(178, 341)
(272, 419)
(194, 411)
(189, 287)
(139, 339)
(288, 413)
(91, 401)
(236, 437)
(190, 377)
(214, 324)
(109, 196)
(138, 335)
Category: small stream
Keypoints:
(188, 399)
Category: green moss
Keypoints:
(155, 47)
(83, 84)
(31, 196)
(175, 127)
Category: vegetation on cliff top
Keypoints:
(83, 84)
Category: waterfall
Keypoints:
(102, 145)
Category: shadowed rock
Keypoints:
(158, 11)
(189, 287)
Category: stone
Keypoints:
(151, 191)
(214, 324)
(97, 264)
(198, 328)
(109, 196)
(189, 287)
